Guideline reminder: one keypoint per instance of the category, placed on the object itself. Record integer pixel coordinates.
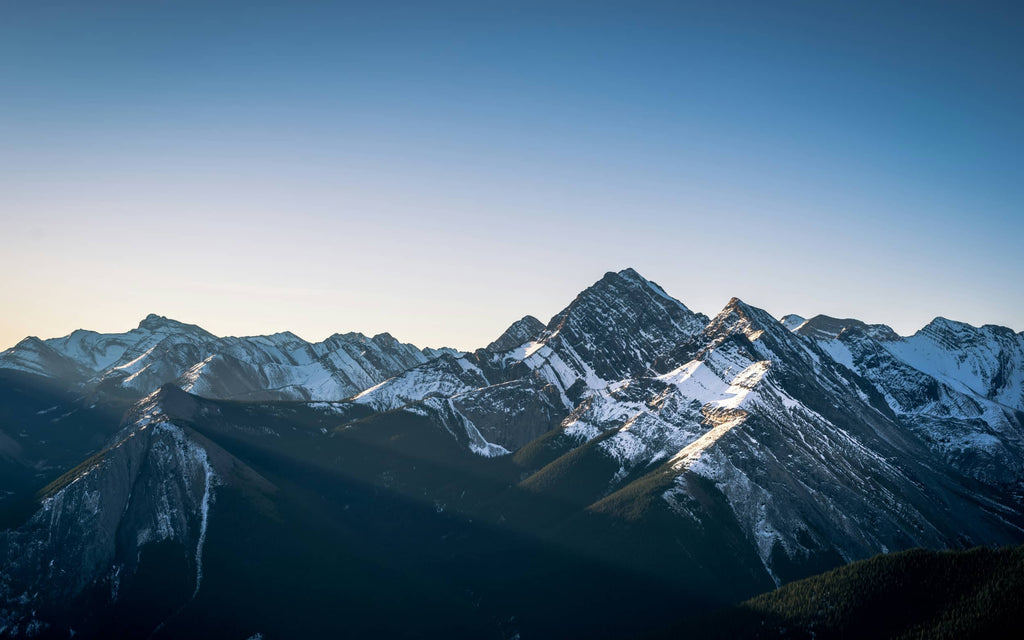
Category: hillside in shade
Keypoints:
(909, 594)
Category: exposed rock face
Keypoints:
(514, 413)
(521, 331)
(619, 326)
(825, 327)
(155, 481)
(445, 376)
(614, 329)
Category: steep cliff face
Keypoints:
(519, 332)
(616, 328)
(155, 481)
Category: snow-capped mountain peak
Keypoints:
(157, 323)
(618, 326)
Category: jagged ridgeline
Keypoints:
(627, 465)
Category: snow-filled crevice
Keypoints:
(194, 460)
(204, 511)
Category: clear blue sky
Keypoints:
(437, 170)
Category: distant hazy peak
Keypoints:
(155, 323)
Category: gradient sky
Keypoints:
(438, 170)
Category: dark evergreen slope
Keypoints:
(910, 594)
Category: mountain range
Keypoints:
(624, 466)
(281, 366)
